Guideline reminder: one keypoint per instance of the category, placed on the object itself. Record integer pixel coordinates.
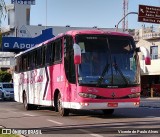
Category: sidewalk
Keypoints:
(150, 102)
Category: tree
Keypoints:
(5, 76)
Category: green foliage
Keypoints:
(5, 76)
(9, 135)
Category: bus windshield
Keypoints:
(107, 60)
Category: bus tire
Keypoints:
(108, 111)
(55, 101)
(62, 111)
(25, 102)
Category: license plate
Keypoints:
(112, 104)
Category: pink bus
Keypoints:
(80, 69)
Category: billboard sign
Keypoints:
(28, 2)
(149, 14)
(18, 44)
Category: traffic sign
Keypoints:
(150, 14)
(18, 44)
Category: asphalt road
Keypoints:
(142, 121)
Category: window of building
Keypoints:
(154, 52)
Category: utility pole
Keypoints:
(125, 11)
(3, 11)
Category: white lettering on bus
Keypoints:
(59, 78)
(33, 78)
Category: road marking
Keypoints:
(29, 115)
(154, 108)
(59, 123)
(88, 132)
(145, 107)
(151, 117)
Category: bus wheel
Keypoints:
(25, 102)
(108, 111)
(62, 111)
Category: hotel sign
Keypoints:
(149, 14)
(27, 2)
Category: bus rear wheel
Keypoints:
(108, 111)
(62, 111)
(28, 106)
(25, 102)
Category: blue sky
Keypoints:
(86, 13)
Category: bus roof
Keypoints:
(96, 31)
(74, 33)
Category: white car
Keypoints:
(6, 91)
(0, 94)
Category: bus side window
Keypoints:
(35, 60)
(24, 62)
(17, 67)
(53, 52)
(31, 62)
(48, 58)
(20, 62)
(43, 53)
(39, 57)
(69, 59)
(28, 60)
(58, 51)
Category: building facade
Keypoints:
(150, 38)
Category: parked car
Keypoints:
(0, 94)
(6, 91)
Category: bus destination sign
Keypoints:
(27, 2)
(149, 14)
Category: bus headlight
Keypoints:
(135, 95)
(86, 95)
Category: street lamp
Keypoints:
(124, 18)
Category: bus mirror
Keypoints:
(148, 61)
(77, 54)
(146, 55)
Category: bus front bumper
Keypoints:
(93, 106)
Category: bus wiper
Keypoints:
(102, 75)
(120, 72)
